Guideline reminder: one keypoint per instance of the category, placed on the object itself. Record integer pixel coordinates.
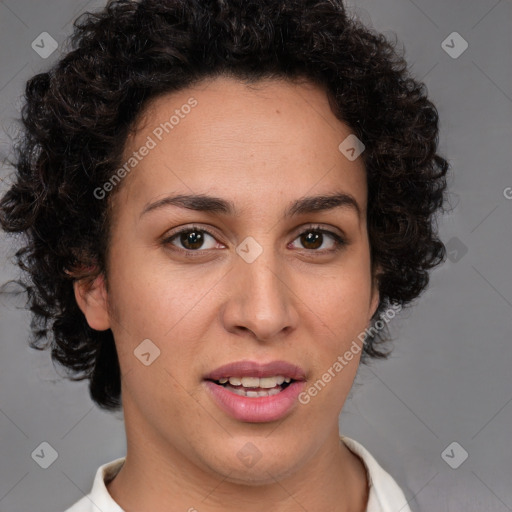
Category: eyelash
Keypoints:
(340, 242)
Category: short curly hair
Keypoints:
(77, 116)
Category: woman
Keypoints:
(222, 201)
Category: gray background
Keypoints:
(448, 379)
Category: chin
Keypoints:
(252, 467)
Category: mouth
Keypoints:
(253, 392)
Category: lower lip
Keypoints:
(258, 409)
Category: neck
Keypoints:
(153, 479)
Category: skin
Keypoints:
(246, 144)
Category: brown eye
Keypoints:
(192, 239)
(313, 239)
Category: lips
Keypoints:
(255, 369)
(254, 392)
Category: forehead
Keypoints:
(242, 140)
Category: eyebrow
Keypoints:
(217, 205)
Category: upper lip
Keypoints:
(256, 369)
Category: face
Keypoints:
(261, 278)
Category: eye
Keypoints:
(192, 239)
(314, 238)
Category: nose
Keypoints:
(260, 298)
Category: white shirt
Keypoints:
(384, 494)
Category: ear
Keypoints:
(91, 298)
(375, 297)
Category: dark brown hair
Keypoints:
(77, 116)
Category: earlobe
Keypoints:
(374, 303)
(91, 298)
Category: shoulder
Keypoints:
(385, 495)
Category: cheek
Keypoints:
(342, 298)
(172, 309)
(341, 314)
(337, 311)
(154, 298)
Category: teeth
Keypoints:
(249, 382)
(254, 394)
(256, 382)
